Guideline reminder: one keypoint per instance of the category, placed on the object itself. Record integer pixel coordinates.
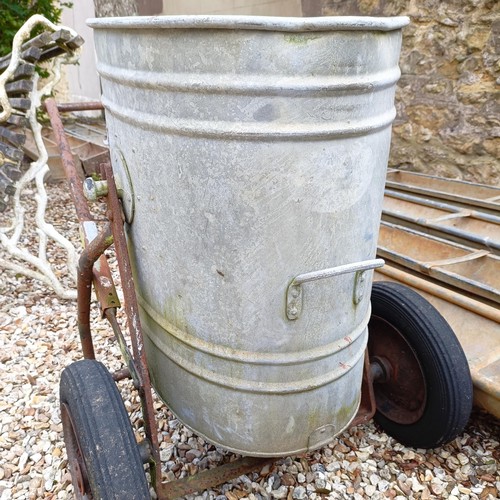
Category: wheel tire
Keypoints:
(402, 318)
(102, 451)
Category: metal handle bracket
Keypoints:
(294, 291)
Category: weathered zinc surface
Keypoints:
(448, 97)
(257, 151)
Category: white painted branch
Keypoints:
(37, 171)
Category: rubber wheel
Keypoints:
(424, 398)
(103, 455)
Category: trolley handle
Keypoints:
(294, 290)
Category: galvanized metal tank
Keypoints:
(251, 153)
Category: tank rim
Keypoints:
(257, 23)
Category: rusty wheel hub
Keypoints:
(399, 383)
(75, 457)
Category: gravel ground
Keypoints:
(38, 338)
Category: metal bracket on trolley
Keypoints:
(100, 275)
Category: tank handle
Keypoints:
(294, 290)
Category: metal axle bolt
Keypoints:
(381, 370)
(94, 189)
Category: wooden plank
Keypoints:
(17, 120)
(6, 184)
(53, 52)
(10, 152)
(75, 42)
(26, 70)
(30, 55)
(42, 47)
(14, 138)
(19, 87)
(12, 172)
(39, 41)
(21, 103)
(61, 36)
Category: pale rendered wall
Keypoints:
(82, 80)
(240, 7)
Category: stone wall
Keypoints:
(448, 98)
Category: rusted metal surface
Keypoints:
(127, 356)
(121, 374)
(137, 340)
(104, 286)
(476, 325)
(461, 193)
(400, 395)
(367, 405)
(89, 256)
(468, 227)
(79, 476)
(96, 245)
(210, 478)
(474, 271)
(102, 278)
(73, 177)
(69, 107)
(103, 281)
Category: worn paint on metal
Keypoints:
(134, 325)
(210, 478)
(465, 194)
(468, 227)
(473, 271)
(85, 272)
(74, 177)
(107, 295)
